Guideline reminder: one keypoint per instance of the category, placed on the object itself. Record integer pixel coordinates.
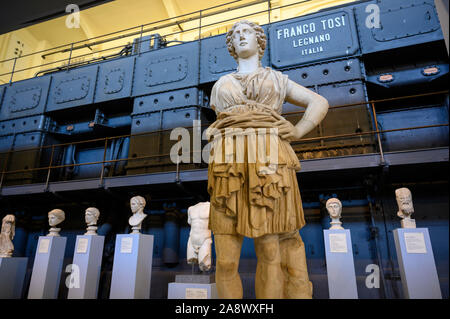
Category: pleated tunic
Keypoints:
(251, 197)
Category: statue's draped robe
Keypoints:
(6, 245)
(252, 198)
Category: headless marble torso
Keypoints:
(198, 217)
(199, 243)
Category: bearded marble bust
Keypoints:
(7, 235)
(405, 207)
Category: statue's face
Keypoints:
(53, 220)
(404, 201)
(90, 217)
(134, 204)
(245, 42)
(334, 209)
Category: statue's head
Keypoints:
(334, 207)
(404, 202)
(91, 215)
(55, 217)
(136, 203)
(8, 226)
(245, 39)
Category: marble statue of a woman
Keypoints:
(249, 196)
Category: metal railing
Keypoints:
(106, 140)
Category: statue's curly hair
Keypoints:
(94, 210)
(260, 36)
(59, 213)
(139, 199)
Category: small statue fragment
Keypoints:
(7, 235)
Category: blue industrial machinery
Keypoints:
(89, 131)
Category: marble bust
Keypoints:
(334, 208)
(91, 217)
(55, 217)
(137, 204)
(199, 242)
(405, 207)
(7, 235)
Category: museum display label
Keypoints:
(338, 243)
(82, 245)
(126, 245)
(415, 243)
(43, 246)
(196, 293)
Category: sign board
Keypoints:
(313, 38)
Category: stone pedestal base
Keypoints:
(47, 267)
(340, 264)
(408, 223)
(416, 263)
(12, 275)
(132, 268)
(88, 258)
(193, 287)
(196, 279)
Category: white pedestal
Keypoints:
(87, 260)
(340, 264)
(12, 275)
(416, 261)
(47, 267)
(132, 268)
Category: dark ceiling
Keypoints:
(16, 14)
